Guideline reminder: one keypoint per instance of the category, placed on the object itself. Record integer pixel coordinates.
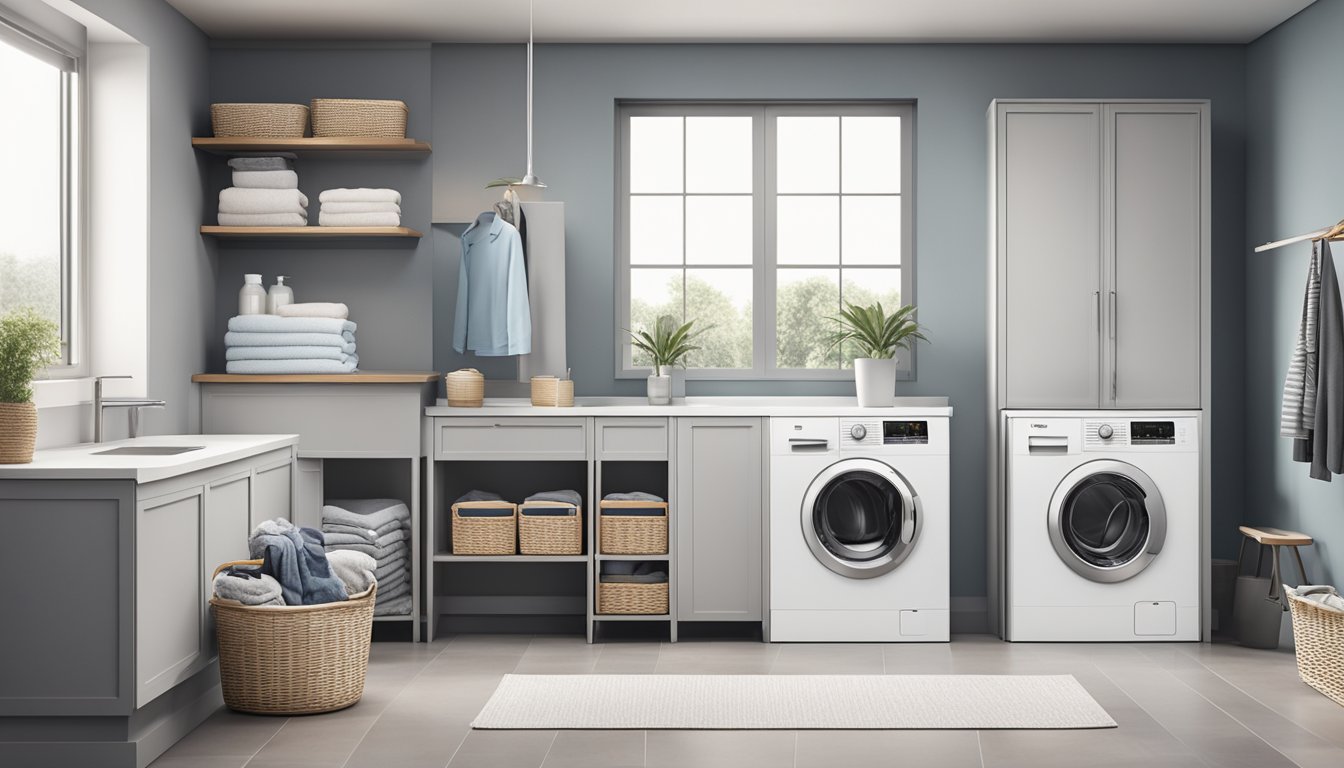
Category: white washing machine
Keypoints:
(1102, 524)
(859, 528)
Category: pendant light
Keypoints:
(530, 179)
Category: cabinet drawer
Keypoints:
(631, 439)
(474, 439)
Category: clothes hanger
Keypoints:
(1329, 233)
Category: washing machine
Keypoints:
(1103, 526)
(859, 528)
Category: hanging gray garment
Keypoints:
(1299, 386)
(1327, 436)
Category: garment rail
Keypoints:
(1334, 233)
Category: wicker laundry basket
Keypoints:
(465, 387)
(550, 534)
(1318, 633)
(628, 598)
(270, 121)
(373, 118)
(632, 534)
(293, 659)
(485, 535)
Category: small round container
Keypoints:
(466, 388)
(252, 297)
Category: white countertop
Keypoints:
(704, 406)
(79, 462)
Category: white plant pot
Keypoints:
(660, 390)
(875, 382)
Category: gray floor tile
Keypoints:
(312, 740)
(720, 749)
(407, 741)
(943, 749)
(597, 749)
(227, 734)
(197, 761)
(828, 659)
(503, 749)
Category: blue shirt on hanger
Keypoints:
(493, 318)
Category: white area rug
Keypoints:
(790, 702)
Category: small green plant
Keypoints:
(669, 343)
(873, 333)
(28, 343)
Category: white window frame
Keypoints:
(764, 196)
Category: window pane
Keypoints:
(718, 154)
(869, 286)
(807, 229)
(655, 229)
(805, 300)
(871, 154)
(871, 230)
(30, 196)
(718, 230)
(807, 151)
(655, 154)
(653, 293)
(719, 301)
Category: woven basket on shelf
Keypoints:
(466, 388)
(485, 535)
(18, 432)
(633, 534)
(1318, 634)
(293, 659)
(271, 121)
(552, 391)
(625, 598)
(360, 117)
(549, 534)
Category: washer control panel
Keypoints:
(875, 432)
(1103, 434)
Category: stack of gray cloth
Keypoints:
(624, 572)
(265, 193)
(562, 497)
(296, 559)
(248, 585)
(632, 496)
(1323, 595)
(381, 529)
(268, 344)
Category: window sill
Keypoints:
(62, 393)
(732, 375)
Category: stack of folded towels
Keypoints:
(381, 529)
(265, 193)
(359, 208)
(263, 344)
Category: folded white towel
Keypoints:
(310, 352)
(360, 195)
(344, 341)
(241, 200)
(277, 324)
(325, 219)
(339, 207)
(266, 179)
(314, 309)
(289, 366)
(263, 220)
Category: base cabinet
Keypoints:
(720, 502)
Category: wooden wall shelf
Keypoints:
(309, 233)
(330, 146)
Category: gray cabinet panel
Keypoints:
(226, 523)
(719, 514)
(308, 493)
(273, 493)
(168, 591)
(510, 439)
(1049, 206)
(631, 439)
(332, 420)
(1154, 157)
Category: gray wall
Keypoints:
(1293, 135)
(478, 135)
(388, 284)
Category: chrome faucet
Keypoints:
(134, 404)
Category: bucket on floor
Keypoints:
(1223, 586)
(1256, 617)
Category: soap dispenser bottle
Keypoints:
(252, 297)
(279, 295)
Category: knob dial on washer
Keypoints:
(1105, 431)
(858, 431)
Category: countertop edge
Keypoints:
(142, 475)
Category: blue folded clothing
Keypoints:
(296, 558)
(265, 367)
(343, 341)
(485, 512)
(278, 324)
(310, 352)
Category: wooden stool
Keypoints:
(1272, 539)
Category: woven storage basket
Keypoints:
(466, 388)
(293, 659)
(549, 534)
(270, 121)
(552, 391)
(18, 432)
(485, 535)
(647, 599)
(1318, 634)
(633, 534)
(360, 117)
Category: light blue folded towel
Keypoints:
(278, 324)
(344, 341)
(310, 352)
(289, 366)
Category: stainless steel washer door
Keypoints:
(860, 518)
(1107, 521)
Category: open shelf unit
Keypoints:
(650, 472)
(448, 558)
(347, 146)
(215, 230)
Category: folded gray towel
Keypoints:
(279, 161)
(380, 554)
(392, 594)
(371, 535)
(354, 569)
(479, 496)
(565, 497)
(398, 607)
(264, 590)
(389, 569)
(370, 513)
(398, 577)
(632, 496)
(382, 542)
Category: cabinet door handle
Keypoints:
(1115, 356)
(1096, 305)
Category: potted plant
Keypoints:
(876, 337)
(28, 343)
(668, 345)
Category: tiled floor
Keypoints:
(1177, 705)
